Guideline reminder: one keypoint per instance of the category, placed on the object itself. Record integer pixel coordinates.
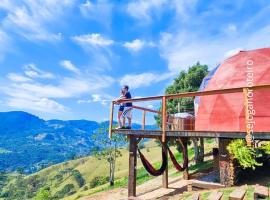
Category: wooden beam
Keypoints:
(165, 173)
(246, 110)
(132, 166)
(143, 119)
(191, 133)
(200, 93)
(164, 119)
(146, 109)
(111, 120)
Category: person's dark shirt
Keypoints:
(128, 96)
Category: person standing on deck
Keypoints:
(121, 109)
(127, 112)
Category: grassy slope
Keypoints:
(91, 167)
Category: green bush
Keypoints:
(98, 180)
(67, 190)
(265, 147)
(78, 177)
(43, 194)
(246, 156)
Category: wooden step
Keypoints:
(194, 196)
(237, 194)
(215, 195)
(261, 192)
(201, 185)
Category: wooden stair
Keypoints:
(237, 194)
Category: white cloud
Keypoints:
(94, 39)
(143, 79)
(5, 43)
(33, 72)
(98, 98)
(30, 19)
(135, 45)
(99, 11)
(231, 28)
(18, 78)
(36, 104)
(67, 64)
(146, 10)
(143, 10)
(182, 49)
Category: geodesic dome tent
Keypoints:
(225, 112)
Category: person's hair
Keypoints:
(126, 87)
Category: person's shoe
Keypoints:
(117, 128)
(128, 127)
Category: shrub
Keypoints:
(67, 190)
(246, 156)
(265, 147)
(78, 177)
(98, 180)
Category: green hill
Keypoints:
(73, 178)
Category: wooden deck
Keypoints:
(205, 134)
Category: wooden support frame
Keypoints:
(143, 119)
(165, 177)
(132, 166)
(164, 119)
(111, 119)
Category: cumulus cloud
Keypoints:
(135, 45)
(67, 64)
(97, 98)
(37, 104)
(143, 79)
(33, 72)
(30, 19)
(94, 39)
(182, 49)
(18, 78)
(29, 92)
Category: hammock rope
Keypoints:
(149, 168)
(185, 156)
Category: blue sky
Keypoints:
(66, 59)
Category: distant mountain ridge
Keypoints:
(31, 143)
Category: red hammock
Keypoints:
(157, 172)
(185, 156)
(149, 168)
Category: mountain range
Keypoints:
(30, 143)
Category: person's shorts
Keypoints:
(127, 112)
(121, 108)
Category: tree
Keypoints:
(108, 149)
(43, 194)
(189, 81)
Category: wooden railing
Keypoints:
(164, 99)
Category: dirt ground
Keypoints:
(152, 189)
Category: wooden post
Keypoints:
(111, 120)
(227, 169)
(164, 119)
(215, 153)
(132, 166)
(185, 148)
(165, 173)
(248, 136)
(143, 119)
